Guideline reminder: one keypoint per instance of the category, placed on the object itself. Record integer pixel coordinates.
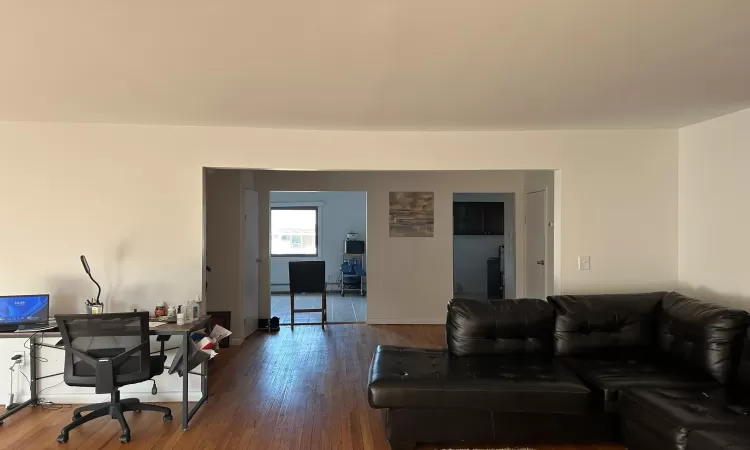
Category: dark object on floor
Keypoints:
(271, 324)
(91, 361)
(223, 319)
(520, 372)
(308, 277)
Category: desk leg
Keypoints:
(34, 400)
(32, 372)
(204, 379)
(204, 390)
(185, 375)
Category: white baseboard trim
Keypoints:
(235, 342)
(146, 397)
(406, 321)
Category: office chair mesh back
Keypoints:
(105, 336)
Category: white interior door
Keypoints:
(251, 257)
(536, 243)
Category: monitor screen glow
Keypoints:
(22, 309)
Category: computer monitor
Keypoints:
(24, 309)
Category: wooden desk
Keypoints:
(168, 329)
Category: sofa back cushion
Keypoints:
(705, 335)
(587, 324)
(499, 327)
(743, 373)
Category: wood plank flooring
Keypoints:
(296, 389)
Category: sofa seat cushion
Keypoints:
(420, 378)
(673, 414)
(612, 375)
(719, 440)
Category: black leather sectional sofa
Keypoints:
(656, 371)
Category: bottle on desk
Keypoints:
(197, 307)
(189, 311)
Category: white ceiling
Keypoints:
(376, 64)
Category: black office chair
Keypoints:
(108, 351)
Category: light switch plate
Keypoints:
(584, 263)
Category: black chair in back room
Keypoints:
(308, 277)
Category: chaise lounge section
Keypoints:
(655, 340)
(529, 371)
(690, 419)
(496, 382)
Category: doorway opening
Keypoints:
(484, 245)
(231, 235)
(329, 226)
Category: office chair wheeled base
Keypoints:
(115, 409)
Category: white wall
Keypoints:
(714, 209)
(470, 253)
(130, 198)
(339, 213)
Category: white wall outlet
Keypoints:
(584, 263)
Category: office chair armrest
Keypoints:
(105, 368)
(105, 376)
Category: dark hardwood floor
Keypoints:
(301, 389)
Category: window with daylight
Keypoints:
(294, 231)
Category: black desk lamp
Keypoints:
(88, 272)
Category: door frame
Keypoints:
(546, 240)
(244, 261)
(513, 236)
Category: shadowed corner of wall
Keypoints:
(138, 296)
(115, 295)
(67, 295)
(730, 300)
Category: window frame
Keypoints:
(317, 231)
